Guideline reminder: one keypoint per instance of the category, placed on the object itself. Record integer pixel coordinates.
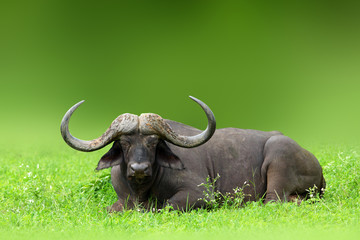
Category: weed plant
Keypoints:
(214, 199)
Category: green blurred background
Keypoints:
(292, 67)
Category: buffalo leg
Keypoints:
(290, 170)
(185, 200)
(116, 207)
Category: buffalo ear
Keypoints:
(166, 158)
(113, 157)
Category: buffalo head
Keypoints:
(139, 143)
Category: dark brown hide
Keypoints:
(274, 166)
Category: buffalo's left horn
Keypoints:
(157, 124)
(125, 123)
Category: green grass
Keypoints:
(57, 192)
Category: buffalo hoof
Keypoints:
(295, 199)
(116, 207)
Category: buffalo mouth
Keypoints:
(139, 178)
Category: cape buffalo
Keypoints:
(154, 158)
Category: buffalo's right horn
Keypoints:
(125, 123)
(154, 123)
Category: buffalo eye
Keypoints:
(152, 141)
(125, 145)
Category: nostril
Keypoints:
(135, 167)
(139, 167)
